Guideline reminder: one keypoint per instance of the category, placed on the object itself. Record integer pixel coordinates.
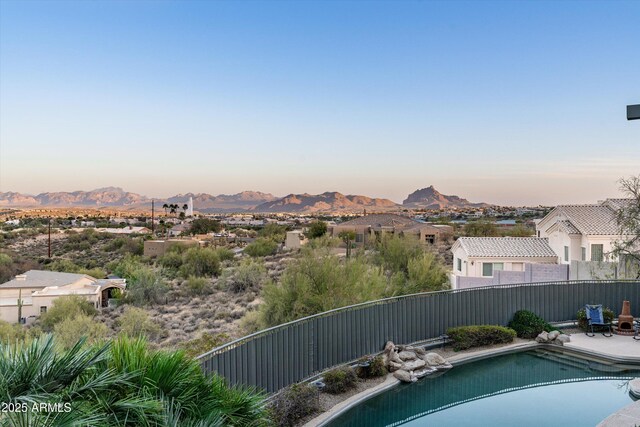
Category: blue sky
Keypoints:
(509, 102)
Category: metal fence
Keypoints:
(277, 357)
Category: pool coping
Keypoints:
(630, 412)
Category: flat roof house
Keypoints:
(38, 289)
(368, 227)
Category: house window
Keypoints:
(487, 269)
(566, 253)
(43, 309)
(597, 252)
(583, 251)
(359, 238)
(498, 266)
(458, 264)
(430, 239)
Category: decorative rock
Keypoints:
(407, 355)
(389, 347)
(434, 359)
(563, 338)
(634, 388)
(393, 366)
(553, 335)
(413, 365)
(404, 376)
(444, 367)
(542, 337)
(420, 373)
(393, 357)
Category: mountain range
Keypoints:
(246, 201)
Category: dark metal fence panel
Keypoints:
(280, 356)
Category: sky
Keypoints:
(509, 102)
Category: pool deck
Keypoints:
(616, 349)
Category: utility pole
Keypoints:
(633, 112)
(153, 224)
(49, 238)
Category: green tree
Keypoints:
(274, 231)
(200, 262)
(66, 307)
(348, 237)
(480, 229)
(71, 329)
(145, 287)
(204, 226)
(261, 247)
(317, 229)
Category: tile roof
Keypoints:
(382, 220)
(568, 227)
(43, 278)
(506, 247)
(590, 219)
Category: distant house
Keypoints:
(126, 230)
(294, 240)
(154, 248)
(370, 227)
(582, 232)
(487, 257)
(179, 229)
(38, 289)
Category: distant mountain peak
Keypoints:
(430, 198)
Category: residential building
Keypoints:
(154, 248)
(294, 240)
(125, 230)
(582, 232)
(38, 289)
(370, 227)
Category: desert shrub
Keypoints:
(339, 380)
(317, 282)
(11, 332)
(145, 287)
(528, 324)
(294, 403)
(135, 322)
(274, 232)
(200, 262)
(424, 274)
(394, 252)
(66, 307)
(317, 229)
(171, 260)
(249, 274)
(197, 285)
(261, 247)
(204, 226)
(581, 316)
(67, 266)
(128, 267)
(225, 254)
(71, 329)
(376, 367)
(204, 343)
(465, 337)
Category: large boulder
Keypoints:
(393, 366)
(404, 376)
(389, 347)
(553, 335)
(420, 373)
(407, 355)
(412, 365)
(563, 338)
(542, 337)
(434, 359)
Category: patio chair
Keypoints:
(636, 327)
(595, 317)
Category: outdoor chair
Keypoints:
(595, 317)
(636, 328)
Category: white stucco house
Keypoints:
(483, 256)
(582, 232)
(38, 289)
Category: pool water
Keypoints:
(534, 388)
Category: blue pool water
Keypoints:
(535, 388)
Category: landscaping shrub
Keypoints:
(11, 332)
(200, 262)
(66, 307)
(261, 247)
(197, 285)
(465, 337)
(294, 403)
(71, 329)
(339, 380)
(204, 343)
(145, 287)
(135, 323)
(376, 367)
(528, 324)
(607, 314)
(249, 274)
(225, 254)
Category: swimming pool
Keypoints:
(533, 388)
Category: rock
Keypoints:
(563, 338)
(413, 365)
(389, 347)
(553, 335)
(634, 387)
(407, 355)
(434, 359)
(393, 357)
(404, 376)
(444, 367)
(420, 373)
(542, 337)
(393, 366)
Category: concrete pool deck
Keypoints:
(615, 349)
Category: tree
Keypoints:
(481, 229)
(627, 248)
(204, 226)
(166, 208)
(347, 237)
(317, 229)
